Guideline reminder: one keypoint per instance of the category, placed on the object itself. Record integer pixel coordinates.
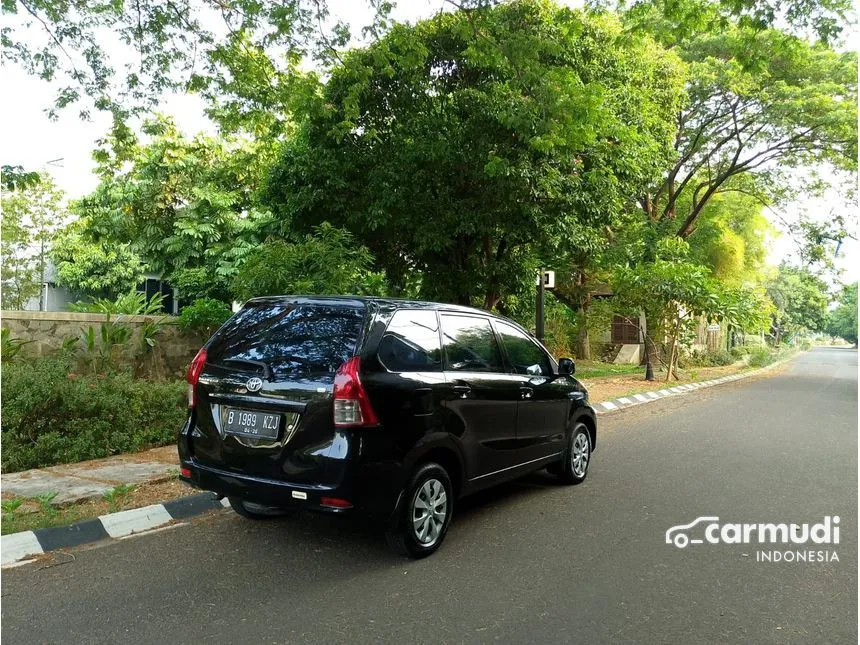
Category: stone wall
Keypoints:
(45, 332)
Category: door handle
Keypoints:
(526, 392)
(462, 391)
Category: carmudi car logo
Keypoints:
(709, 530)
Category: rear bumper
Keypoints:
(369, 482)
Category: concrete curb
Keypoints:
(21, 546)
(614, 405)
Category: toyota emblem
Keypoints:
(254, 384)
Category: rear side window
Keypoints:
(523, 354)
(287, 338)
(470, 345)
(411, 342)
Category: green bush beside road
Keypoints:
(51, 415)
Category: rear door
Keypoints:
(264, 398)
(481, 398)
(543, 398)
(406, 387)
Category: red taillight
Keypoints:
(335, 502)
(194, 375)
(351, 405)
(185, 472)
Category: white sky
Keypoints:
(28, 138)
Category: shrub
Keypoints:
(761, 356)
(52, 416)
(10, 347)
(204, 316)
(710, 359)
(739, 351)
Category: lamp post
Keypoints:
(545, 280)
(539, 307)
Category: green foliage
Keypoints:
(672, 291)
(11, 505)
(46, 502)
(325, 262)
(825, 19)
(94, 269)
(468, 144)
(241, 56)
(10, 347)
(16, 178)
(204, 316)
(731, 238)
(31, 215)
(800, 298)
(710, 359)
(132, 303)
(194, 283)
(116, 497)
(760, 101)
(52, 416)
(180, 203)
(842, 321)
(761, 356)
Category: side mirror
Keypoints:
(566, 367)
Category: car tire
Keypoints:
(252, 511)
(573, 469)
(429, 496)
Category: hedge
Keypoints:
(53, 416)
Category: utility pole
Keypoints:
(539, 307)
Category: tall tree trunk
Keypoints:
(650, 348)
(670, 369)
(583, 349)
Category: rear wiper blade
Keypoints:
(267, 372)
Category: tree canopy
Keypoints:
(471, 143)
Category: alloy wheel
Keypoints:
(429, 511)
(580, 454)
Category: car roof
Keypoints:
(383, 303)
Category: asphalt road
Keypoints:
(533, 562)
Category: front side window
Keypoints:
(470, 345)
(411, 342)
(523, 354)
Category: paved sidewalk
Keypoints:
(92, 479)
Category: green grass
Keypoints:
(18, 521)
(595, 369)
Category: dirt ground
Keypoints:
(606, 388)
(30, 516)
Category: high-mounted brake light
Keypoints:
(193, 376)
(351, 405)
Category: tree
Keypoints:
(671, 290)
(800, 298)
(468, 146)
(760, 100)
(842, 321)
(757, 99)
(94, 269)
(180, 203)
(17, 178)
(31, 216)
(731, 238)
(325, 262)
(242, 54)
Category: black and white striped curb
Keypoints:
(605, 407)
(19, 546)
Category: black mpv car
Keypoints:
(388, 407)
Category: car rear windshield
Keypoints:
(288, 338)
